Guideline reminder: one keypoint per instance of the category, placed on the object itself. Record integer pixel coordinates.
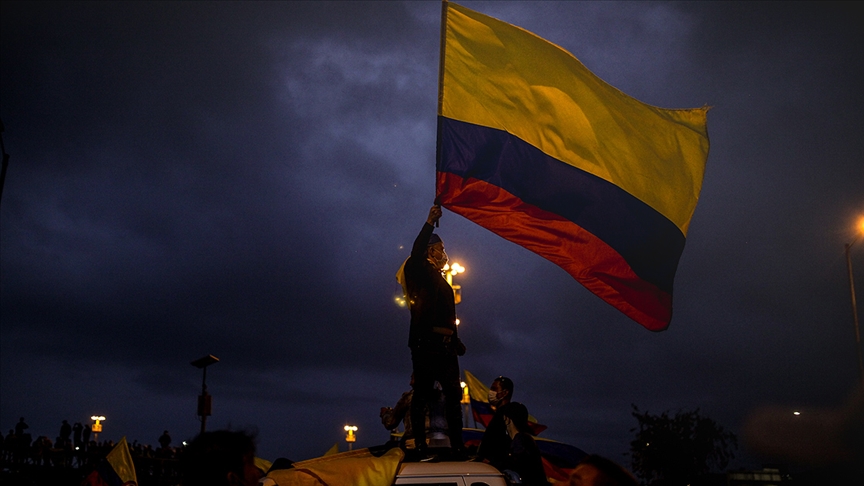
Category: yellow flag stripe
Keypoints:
(500, 76)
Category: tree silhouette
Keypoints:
(675, 450)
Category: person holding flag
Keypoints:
(433, 338)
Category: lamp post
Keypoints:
(855, 305)
(450, 270)
(350, 437)
(205, 401)
(466, 402)
(97, 426)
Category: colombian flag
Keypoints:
(117, 469)
(536, 148)
(482, 410)
(355, 468)
(479, 394)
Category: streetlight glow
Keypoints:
(449, 270)
(97, 426)
(351, 437)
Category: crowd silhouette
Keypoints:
(75, 452)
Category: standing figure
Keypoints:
(164, 440)
(65, 431)
(433, 338)
(20, 427)
(85, 436)
(496, 440)
(76, 434)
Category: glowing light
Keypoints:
(97, 426)
(350, 437)
(457, 321)
(796, 413)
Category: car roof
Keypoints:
(438, 469)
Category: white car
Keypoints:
(449, 474)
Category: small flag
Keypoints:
(117, 469)
(482, 410)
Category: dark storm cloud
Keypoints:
(244, 179)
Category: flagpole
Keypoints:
(443, 40)
(444, 5)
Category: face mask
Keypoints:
(493, 397)
(440, 261)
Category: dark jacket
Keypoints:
(431, 300)
(495, 444)
(524, 458)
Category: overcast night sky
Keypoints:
(244, 180)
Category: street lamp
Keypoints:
(97, 426)
(205, 401)
(450, 270)
(466, 402)
(854, 304)
(350, 438)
